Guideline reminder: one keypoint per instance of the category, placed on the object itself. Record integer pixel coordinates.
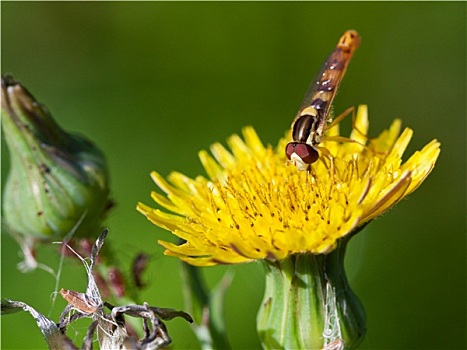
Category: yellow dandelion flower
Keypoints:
(255, 205)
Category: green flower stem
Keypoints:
(206, 308)
(308, 304)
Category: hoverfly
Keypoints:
(313, 118)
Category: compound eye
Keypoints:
(290, 149)
(305, 152)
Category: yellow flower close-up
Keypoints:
(255, 204)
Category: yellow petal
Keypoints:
(257, 205)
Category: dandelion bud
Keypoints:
(56, 181)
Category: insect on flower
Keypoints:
(313, 118)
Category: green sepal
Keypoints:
(308, 304)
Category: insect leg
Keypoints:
(341, 117)
(328, 155)
(344, 139)
(349, 140)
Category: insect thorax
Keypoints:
(309, 127)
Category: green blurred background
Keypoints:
(153, 83)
